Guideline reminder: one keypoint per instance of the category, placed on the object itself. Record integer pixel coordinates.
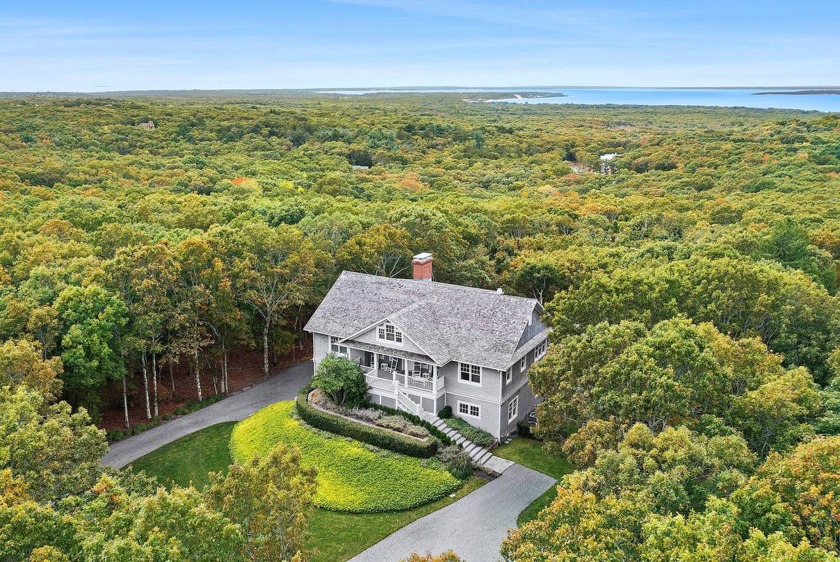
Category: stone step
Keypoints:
(471, 448)
(477, 452)
(485, 457)
(460, 439)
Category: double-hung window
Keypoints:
(389, 332)
(541, 349)
(523, 364)
(513, 408)
(337, 348)
(470, 373)
(509, 375)
(467, 409)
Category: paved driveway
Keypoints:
(474, 526)
(283, 386)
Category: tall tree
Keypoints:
(201, 274)
(93, 320)
(277, 271)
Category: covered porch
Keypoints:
(387, 370)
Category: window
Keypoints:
(470, 373)
(337, 348)
(509, 375)
(389, 332)
(466, 409)
(523, 364)
(541, 349)
(513, 408)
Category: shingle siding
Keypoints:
(527, 402)
(320, 347)
(489, 420)
(406, 345)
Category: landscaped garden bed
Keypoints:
(352, 476)
(474, 434)
(392, 432)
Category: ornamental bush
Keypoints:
(342, 380)
(352, 477)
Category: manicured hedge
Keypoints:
(415, 419)
(379, 437)
(352, 476)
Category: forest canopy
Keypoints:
(691, 285)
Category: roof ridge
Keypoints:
(440, 283)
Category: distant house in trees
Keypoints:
(424, 345)
(148, 125)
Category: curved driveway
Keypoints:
(238, 406)
(474, 526)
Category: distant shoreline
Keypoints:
(506, 96)
(801, 93)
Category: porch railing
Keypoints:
(407, 404)
(421, 383)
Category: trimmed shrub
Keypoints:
(523, 428)
(352, 476)
(376, 436)
(445, 413)
(342, 380)
(457, 461)
(477, 436)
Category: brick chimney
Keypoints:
(422, 266)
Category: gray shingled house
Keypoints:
(424, 345)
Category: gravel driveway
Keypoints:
(474, 526)
(283, 386)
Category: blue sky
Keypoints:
(87, 45)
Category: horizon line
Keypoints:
(478, 89)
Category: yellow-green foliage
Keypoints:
(351, 476)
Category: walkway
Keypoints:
(474, 526)
(480, 456)
(238, 406)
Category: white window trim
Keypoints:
(515, 403)
(541, 350)
(480, 374)
(509, 375)
(396, 331)
(336, 342)
(469, 405)
(523, 364)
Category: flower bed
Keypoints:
(352, 476)
(365, 432)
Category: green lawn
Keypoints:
(190, 458)
(340, 536)
(530, 453)
(352, 476)
(335, 536)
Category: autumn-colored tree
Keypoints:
(270, 498)
(22, 364)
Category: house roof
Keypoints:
(448, 322)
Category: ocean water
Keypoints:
(730, 97)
